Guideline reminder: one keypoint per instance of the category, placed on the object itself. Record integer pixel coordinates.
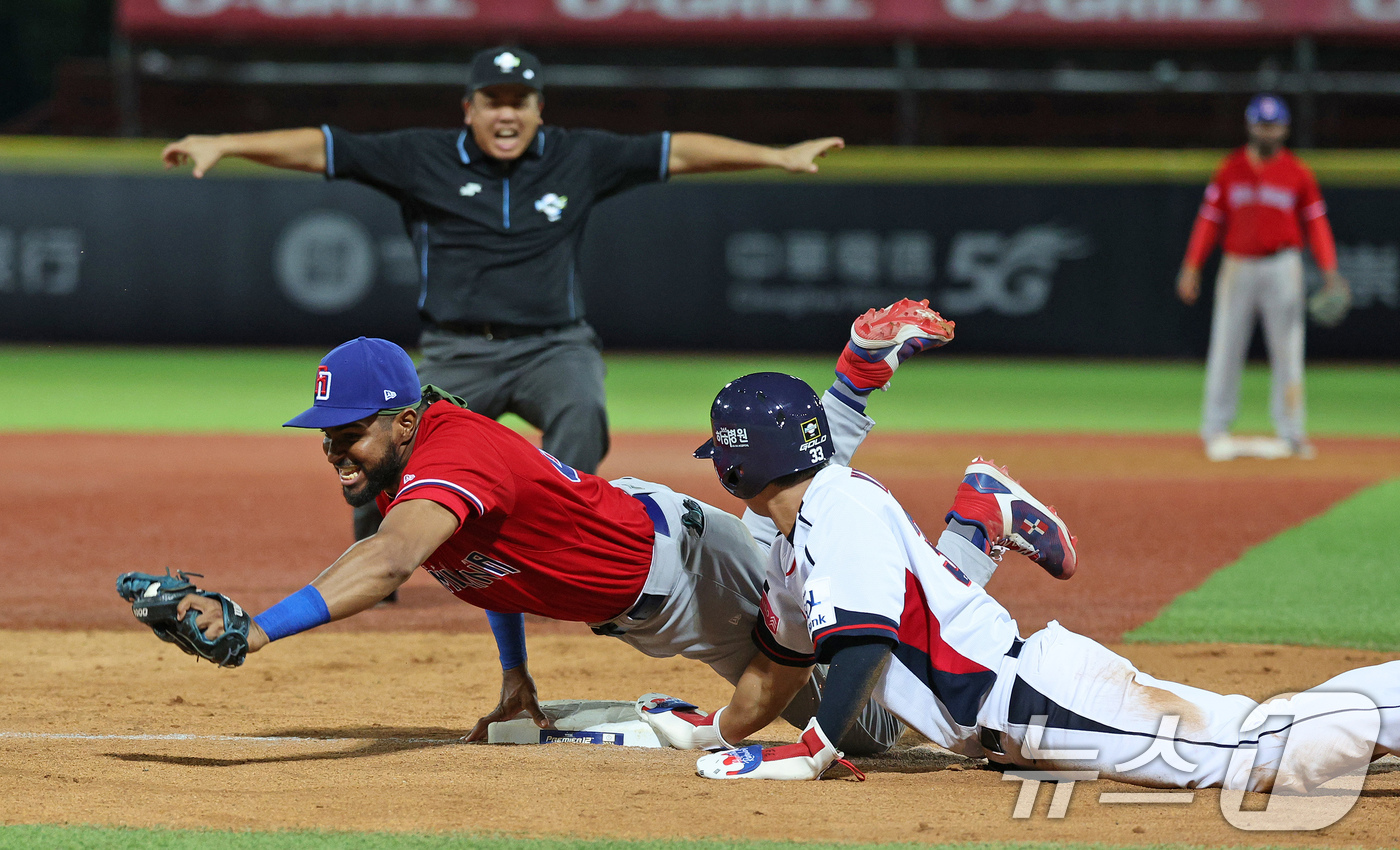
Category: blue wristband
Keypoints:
(509, 630)
(305, 609)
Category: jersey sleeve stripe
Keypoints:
(1317, 209)
(780, 654)
(852, 629)
(438, 482)
(665, 156)
(330, 150)
(1210, 213)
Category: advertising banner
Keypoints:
(753, 20)
(1022, 269)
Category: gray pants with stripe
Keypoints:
(1271, 289)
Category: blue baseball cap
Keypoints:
(357, 379)
(1266, 109)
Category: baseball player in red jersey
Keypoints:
(1263, 197)
(505, 526)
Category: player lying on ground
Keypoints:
(508, 528)
(853, 582)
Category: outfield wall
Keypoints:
(1033, 252)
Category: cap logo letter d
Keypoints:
(323, 383)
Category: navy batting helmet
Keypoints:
(764, 426)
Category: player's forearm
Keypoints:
(368, 571)
(850, 680)
(509, 631)
(696, 153)
(1323, 245)
(1203, 236)
(761, 694)
(302, 149)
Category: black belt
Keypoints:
(500, 330)
(647, 604)
(990, 739)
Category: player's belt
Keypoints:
(500, 330)
(647, 605)
(990, 739)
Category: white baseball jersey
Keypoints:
(856, 564)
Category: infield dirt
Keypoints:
(388, 693)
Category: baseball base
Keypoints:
(578, 722)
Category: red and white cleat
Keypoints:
(1012, 518)
(883, 339)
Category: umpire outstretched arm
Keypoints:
(304, 149)
(698, 153)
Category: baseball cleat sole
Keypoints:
(898, 323)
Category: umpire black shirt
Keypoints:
(496, 241)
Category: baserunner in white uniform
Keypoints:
(854, 583)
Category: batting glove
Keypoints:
(807, 759)
(681, 725)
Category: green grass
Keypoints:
(1332, 581)
(100, 838)
(68, 388)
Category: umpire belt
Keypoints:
(500, 330)
(648, 603)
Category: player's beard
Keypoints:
(379, 476)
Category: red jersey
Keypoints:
(535, 536)
(1263, 210)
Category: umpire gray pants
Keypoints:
(710, 573)
(1271, 289)
(553, 380)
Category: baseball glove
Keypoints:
(155, 599)
(1328, 306)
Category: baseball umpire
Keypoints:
(496, 213)
(505, 526)
(1263, 197)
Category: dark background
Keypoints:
(1049, 269)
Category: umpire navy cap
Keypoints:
(357, 379)
(1266, 109)
(505, 65)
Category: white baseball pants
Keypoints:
(1074, 705)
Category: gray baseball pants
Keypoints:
(552, 380)
(1270, 288)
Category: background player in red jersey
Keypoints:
(504, 526)
(1263, 197)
